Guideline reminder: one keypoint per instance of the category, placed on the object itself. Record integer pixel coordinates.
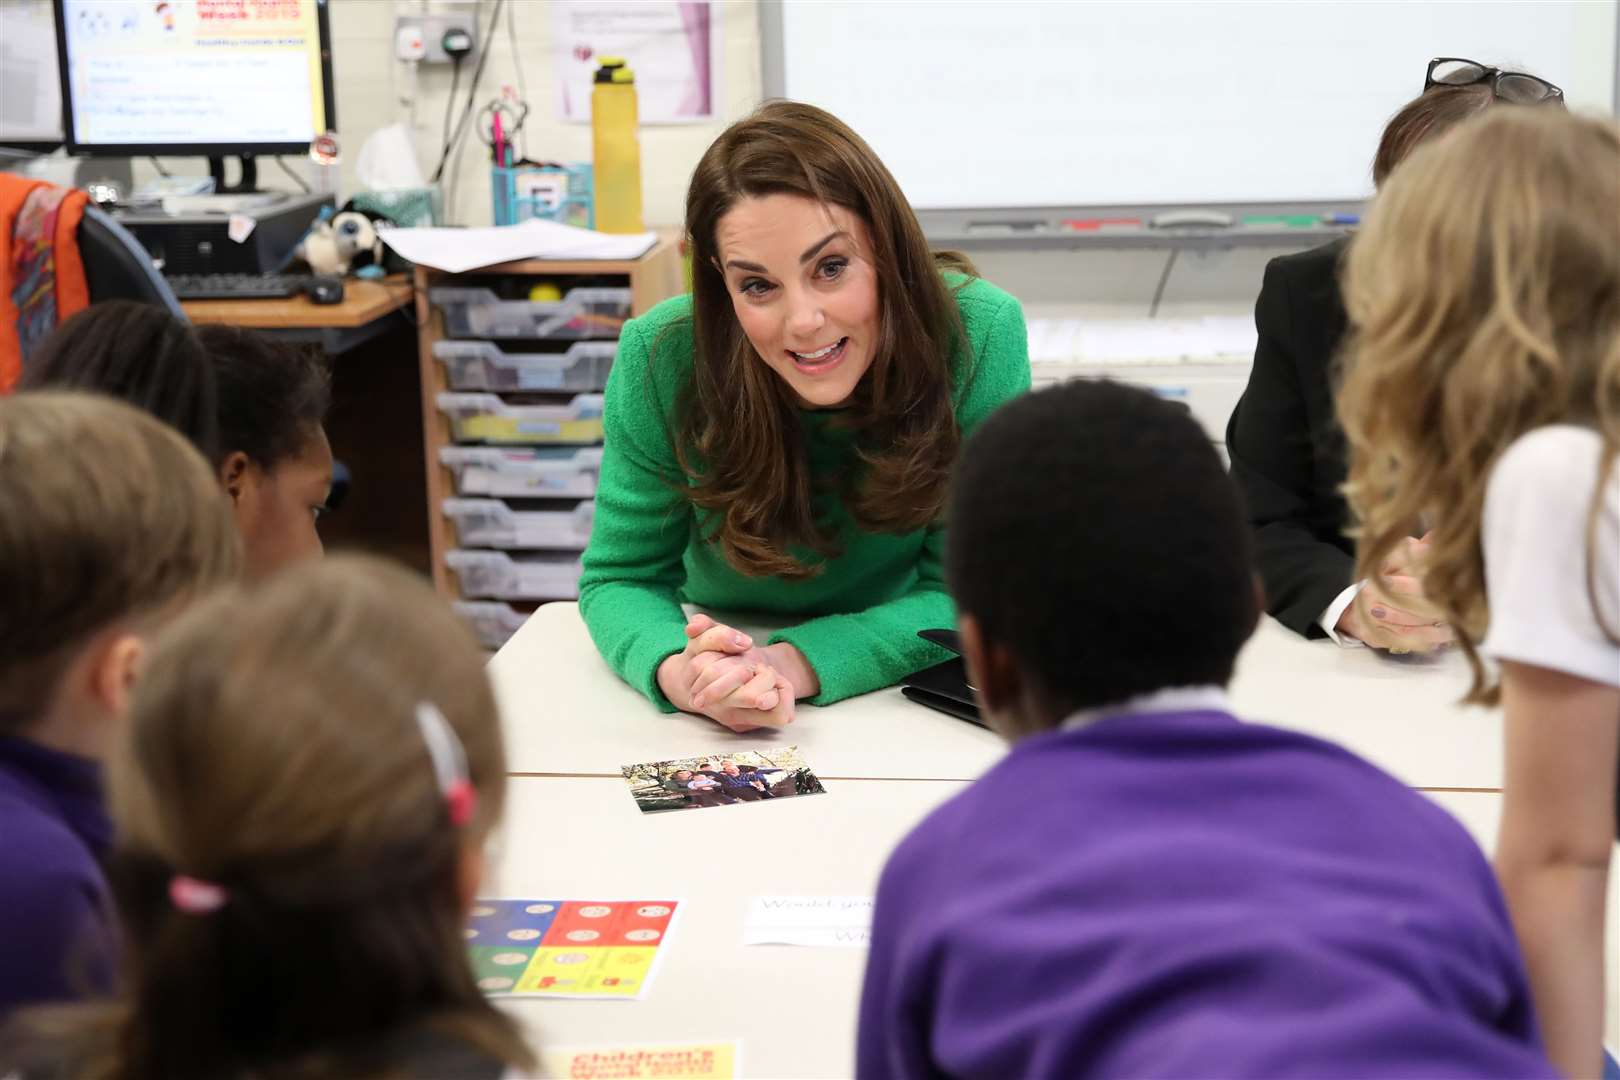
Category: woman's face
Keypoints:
(805, 291)
(276, 508)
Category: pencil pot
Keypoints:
(560, 193)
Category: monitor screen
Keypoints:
(30, 90)
(194, 76)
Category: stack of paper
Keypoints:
(459, 250)
(1124, 342)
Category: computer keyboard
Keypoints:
(236, 286)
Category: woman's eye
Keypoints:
(319, 510)
(755, 287)
(832, 268)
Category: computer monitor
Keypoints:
(208, 77)
(30, 89)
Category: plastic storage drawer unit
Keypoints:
(486, 418)
(483, 365)
(555, 473)
(491, 523)
(585, 312)
(495, 575)
(492, 622)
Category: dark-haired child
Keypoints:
(275, 461)
(252, 405)
(1159, 888)
(137, 353)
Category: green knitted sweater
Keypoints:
(861, 613)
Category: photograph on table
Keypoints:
(721, 780)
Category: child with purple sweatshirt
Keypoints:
(1159, 888)
(109, 520)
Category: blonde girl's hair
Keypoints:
(1484, 302)
(107, 516)
(275, 752)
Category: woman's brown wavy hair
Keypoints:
(1484, 302)
(740, 438)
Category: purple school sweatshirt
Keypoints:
(58, 939)
(1187, 895)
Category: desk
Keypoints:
(1401, 713)
(362, 315)
(566, 712)
(793, 1009)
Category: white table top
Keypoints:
(1399, 712)
(568, 713)
(793, 1009)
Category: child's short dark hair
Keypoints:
(1095, 534)
(137, 353)
(273, 396)
(226, 388)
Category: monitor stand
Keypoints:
(247, 183)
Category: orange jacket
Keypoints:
(41, 275)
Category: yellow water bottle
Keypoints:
(615, 149)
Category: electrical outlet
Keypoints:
(431, 29)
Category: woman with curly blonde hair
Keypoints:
(1482, 398)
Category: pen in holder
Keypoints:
(550, 192)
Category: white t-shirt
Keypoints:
(1537, 508)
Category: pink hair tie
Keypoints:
(195, 896)
(462, 801)
(449, 763)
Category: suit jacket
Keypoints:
(1287, 449)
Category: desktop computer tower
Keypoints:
(202, 243)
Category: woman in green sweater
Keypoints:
(782, 439)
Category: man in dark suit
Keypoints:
(1288, 453)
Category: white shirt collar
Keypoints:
(1173, 699)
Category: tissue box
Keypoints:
(406, 207)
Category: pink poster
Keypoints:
(672, 48)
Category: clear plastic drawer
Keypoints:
(491, 523)
(585, 312)
(551, 473)
(497, 575)
(486, 418)
(492, 622)
(483, 365)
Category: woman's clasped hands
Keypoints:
(723, 675)
(1400, 619)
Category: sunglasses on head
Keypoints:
(1513, 87)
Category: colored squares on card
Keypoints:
(496, 969)
(620, 972)
(567, 948)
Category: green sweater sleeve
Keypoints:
(628, 593)
(865, 650)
